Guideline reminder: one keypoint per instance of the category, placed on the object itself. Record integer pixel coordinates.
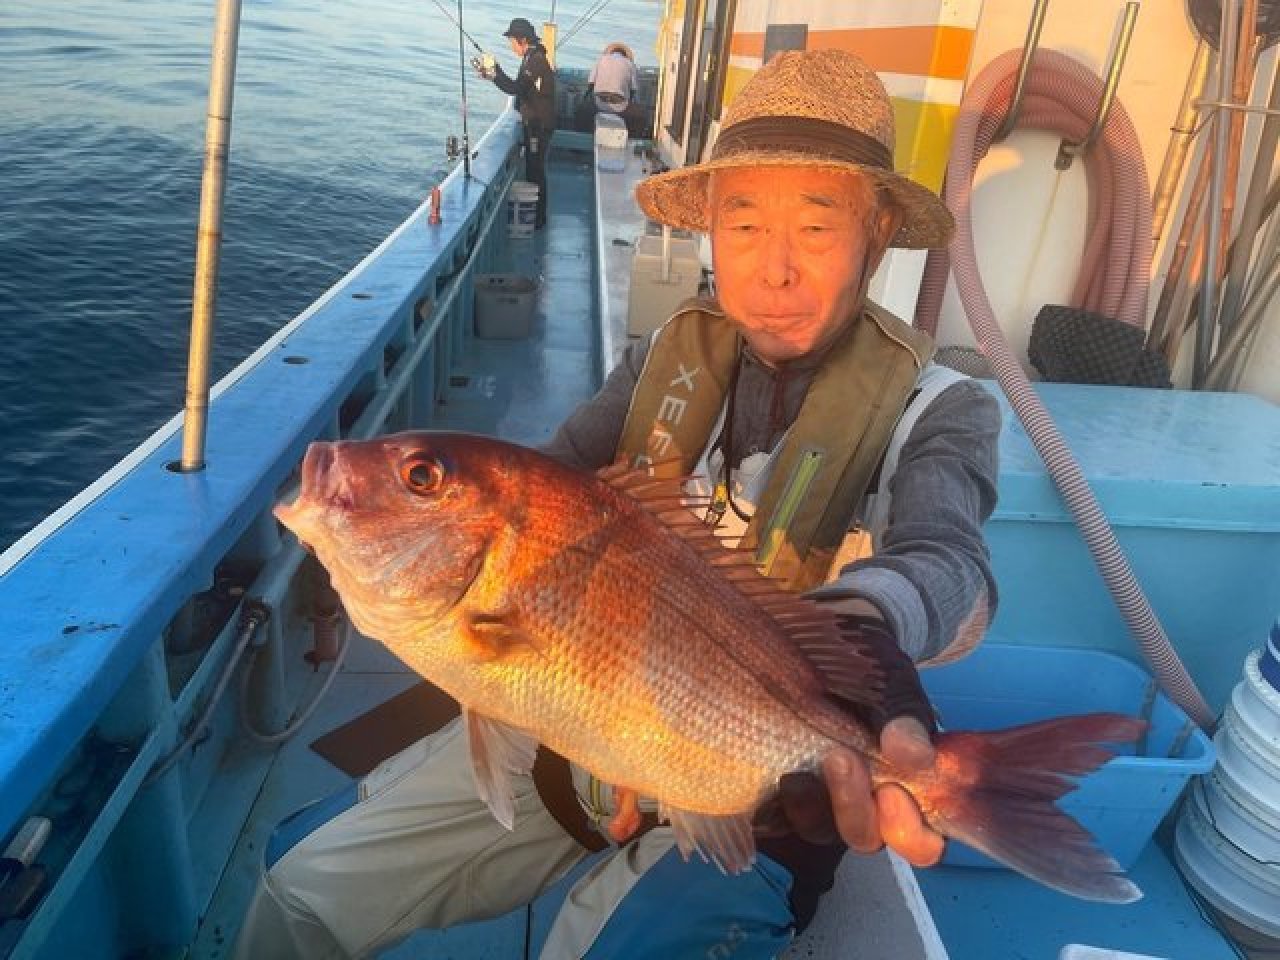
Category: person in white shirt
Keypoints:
(612, 87)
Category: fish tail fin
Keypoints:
(996, 792)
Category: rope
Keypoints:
(1061, 96)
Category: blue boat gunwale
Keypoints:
(74, 641)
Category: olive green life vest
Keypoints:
(829, 454)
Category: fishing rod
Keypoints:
(457, 22)
(586, 18)
(462, 73)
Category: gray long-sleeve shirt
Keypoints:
(931, 578)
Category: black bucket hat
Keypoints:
(521, 29)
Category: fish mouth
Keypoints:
(326, 485)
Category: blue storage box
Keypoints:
(1121, 804)
(1191, 483)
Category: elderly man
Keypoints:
(799, 401)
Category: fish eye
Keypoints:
(422, 474)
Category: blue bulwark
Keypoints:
(78, 611)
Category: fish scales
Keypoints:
(628, 664)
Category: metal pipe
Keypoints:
(1024, 65)
(1165, 332)
(1188, 314)
(1182, 133)
(217, 139)
(253, 615)
(1252, 217)
(1241, 107)
(462, 74)
(1069, 151)
(1221, 136)
(666, 254)
(1247, 52)
(1220, 370)
(1270, 237)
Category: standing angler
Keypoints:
(804, 411)
(534, 88)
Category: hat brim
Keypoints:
(678, 198)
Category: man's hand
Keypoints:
(844, 805)
(867, 819)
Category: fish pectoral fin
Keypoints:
(725, 840)
(492, 636)
(498, 752)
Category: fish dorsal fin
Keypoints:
(838, 656)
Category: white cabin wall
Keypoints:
(1029, 252)
(1028, 247)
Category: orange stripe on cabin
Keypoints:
(935, 51)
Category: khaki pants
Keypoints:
(419, 849)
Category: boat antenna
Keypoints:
(457, 21)
(462, 74)
(217, 138)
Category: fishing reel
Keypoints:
(486, 65)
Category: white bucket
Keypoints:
(522, 209)
(1228, 836)
(1234, 883)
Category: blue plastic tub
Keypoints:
(1121, 804)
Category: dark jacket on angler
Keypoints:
(534, 88)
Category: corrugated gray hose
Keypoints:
(1062, 96)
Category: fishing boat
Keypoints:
(176, 678)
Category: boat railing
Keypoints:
(121, 615)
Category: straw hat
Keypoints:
(821, 108)
(621, 48)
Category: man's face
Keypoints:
(517, 45)
(793, 248)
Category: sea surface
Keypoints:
(341, 112)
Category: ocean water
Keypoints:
(341, 112)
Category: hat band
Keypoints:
(822, 139)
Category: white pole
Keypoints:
(217, 139)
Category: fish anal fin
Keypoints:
(491, 636)
(723, 839)
(498, 753)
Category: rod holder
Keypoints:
(1067, 151)
(1024, 66)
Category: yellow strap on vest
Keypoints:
(830, 452)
